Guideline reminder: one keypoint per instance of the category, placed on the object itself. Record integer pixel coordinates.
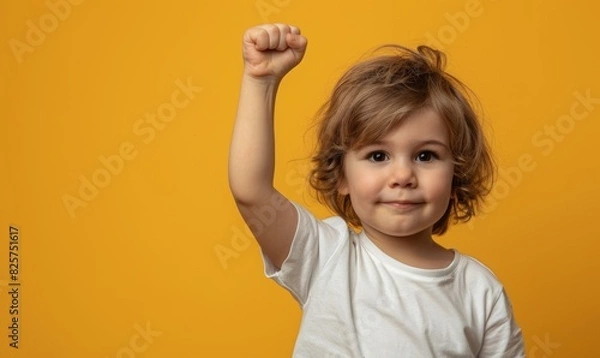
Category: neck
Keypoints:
(418, 250)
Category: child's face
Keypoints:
(402, 185)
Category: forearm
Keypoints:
(252, 155)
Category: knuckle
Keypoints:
(270, 27)
(261, 34)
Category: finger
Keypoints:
(259, 37)
(274, 35)
(283, 31)
(294, 30)
(297, 42)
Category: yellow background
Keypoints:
(142, 251)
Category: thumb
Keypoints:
(297, 42)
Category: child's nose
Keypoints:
(402, 175)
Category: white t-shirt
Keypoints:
(359, 302)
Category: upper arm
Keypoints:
(272, 220)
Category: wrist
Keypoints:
(266, 82)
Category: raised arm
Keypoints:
(269, 52)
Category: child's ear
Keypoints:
(342, 188)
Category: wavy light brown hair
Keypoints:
(373, 97)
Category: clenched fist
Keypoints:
(272, 50)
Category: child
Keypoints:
(400, 154)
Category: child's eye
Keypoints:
(426, 156)
(377, 156)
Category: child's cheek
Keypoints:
(440, 188)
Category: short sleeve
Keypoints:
(314, 243)
(502, 337)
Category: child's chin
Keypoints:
(404, 233)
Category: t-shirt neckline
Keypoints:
(390, 261)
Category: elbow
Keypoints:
(249, 192)
(250, 196)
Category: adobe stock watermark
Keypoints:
(543, 348)
(546, 141)
(267, 8)
(139, 342)
(37, 32)
(241, 239)
(458, 23)
(145, 129)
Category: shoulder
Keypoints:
(315, 247)
(331, 226)
(476, 274)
